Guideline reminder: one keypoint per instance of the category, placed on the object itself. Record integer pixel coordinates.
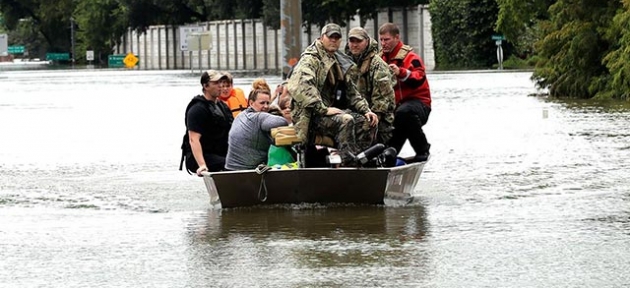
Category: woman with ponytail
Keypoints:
(250, 136)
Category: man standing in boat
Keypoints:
(413, 97)
(323, 84)
(375, 80)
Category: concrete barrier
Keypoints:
(247, 46)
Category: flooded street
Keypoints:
(521, 191)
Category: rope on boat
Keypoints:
(261, 170)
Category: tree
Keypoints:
(572, 50)
(518, 21)
(462, 32)
(50, 18)
(101, 25)
(320, 12)
(143, 13)
(618, 60)
(271, 13)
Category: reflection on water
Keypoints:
(300, 245)
(301, 221)
(520, 191)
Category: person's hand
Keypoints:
(201, 168)
(333, 111)
(395, 69)
(372, 118)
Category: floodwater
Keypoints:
(520, 191)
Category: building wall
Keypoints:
(247, 45)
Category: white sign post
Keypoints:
(184, 37)
(499, 54)
(497, 40)
(4, 45)
(184, 33)
(198, 41)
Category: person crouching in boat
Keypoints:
(323, 85)
(208, 122)
(250, 135)
(375, 80)
(234, 98)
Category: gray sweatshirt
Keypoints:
(250, 138)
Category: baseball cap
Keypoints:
(211, 76)
(330, 29)
(358, 33)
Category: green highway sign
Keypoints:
(58, 56)
(16, 49)
(116, 60)
(498, 37)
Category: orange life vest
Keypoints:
(236, 101)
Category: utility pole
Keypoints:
(72, 38)
(291, 29)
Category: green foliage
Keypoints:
(101, 24)
(247, 9)
(271, 13)
(49, 20)
(320, 12)
(27, 34)
(143, 13)
(518, 19)
(517, 63)
(571, 54)
(462, 32)
(618, 60)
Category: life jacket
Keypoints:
(412, 88)
(235, 101)
(187, 157)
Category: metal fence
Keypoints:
(249, 46)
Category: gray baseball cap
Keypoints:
(358, 33)
(330, 29)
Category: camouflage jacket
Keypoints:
(376, 84)
(314, 83)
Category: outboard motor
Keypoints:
(387, 158)
(370, 153)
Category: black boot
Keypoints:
(422, 157)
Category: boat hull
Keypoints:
(313, 185)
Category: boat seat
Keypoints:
(286, 136)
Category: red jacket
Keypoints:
(412, 79)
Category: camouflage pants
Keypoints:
(385, 128)
(351, 132)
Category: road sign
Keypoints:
(89, 55)
(199, 41)
(16, 49)
(116, 61)
(184, 33)
(130, 60)
(58, 56)
(498, 37)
